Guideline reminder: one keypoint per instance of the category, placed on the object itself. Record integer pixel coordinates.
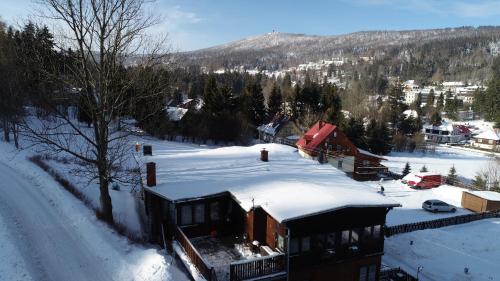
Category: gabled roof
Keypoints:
(489, 135)
(316, 135)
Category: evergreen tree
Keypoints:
(440, 102)
(275, 100)
(430, 99)
(355, 132)
(479, 181)
(378, 137)
(452, 176)
(407, 169)
(424, 169)
(436, 118)
(254, 105)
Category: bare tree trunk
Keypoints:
(6, 131)
(15, 133)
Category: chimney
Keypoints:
(147, 150)
(151, 174)
(320, 124)
(264, 155)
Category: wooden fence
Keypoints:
(405, 228)
(205, 269)
(249, 269)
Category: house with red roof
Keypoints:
(326, 143)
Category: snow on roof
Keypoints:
(488, 195)
(176, 113)
(287, 187)
(410, 112)
(489, 135)
(319, 132)
(370, 154)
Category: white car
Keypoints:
(438, 206)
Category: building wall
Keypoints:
(342, 271)
(347, 163)
(473, 203)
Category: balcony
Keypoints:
(230, 258)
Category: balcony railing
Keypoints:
(259, 267)
(205, 269)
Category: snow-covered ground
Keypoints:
(445, 252)
(47, 234)
(467, 163)
(412, 199)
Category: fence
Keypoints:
(206, 270)
(405, 228)
(257, 267)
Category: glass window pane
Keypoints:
(372, 273)
(281, 242)
(355, 236)
(199, 213)
(345, 237)
(367, 232)
(294, 246)
(330, 240)
(214, 211)
(363, 273)
(186, 215)
(376, 231)
(306, 244)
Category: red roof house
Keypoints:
(326, 143)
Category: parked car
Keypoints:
(438, 206)
(423, 180)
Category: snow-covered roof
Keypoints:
(176, 113)
(369, 153)
(488, 195)
(489, 135)
(410, 112)
(287, 187)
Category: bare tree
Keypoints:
(104, 35)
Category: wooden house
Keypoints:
(326, 143)
(481, 201)
(236, 217)
(487, 140)
(280, 130)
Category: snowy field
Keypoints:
(47, 234)
(467, 163)
(412, 199)
(444, 253)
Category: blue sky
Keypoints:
(194, 24)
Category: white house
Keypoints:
(446, 133)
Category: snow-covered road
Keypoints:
(49, 242)
(47, 234)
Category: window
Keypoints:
(330, 240)
(340, 164)
(280, 241)
(214, 211)
(305, 244)
(186, 215)
(376, 231)
(339, 148)
(367, 273)
(355, 236)
(366, 163)
(294, 246)
(345, 237)
(367, 232)
(199, 213)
